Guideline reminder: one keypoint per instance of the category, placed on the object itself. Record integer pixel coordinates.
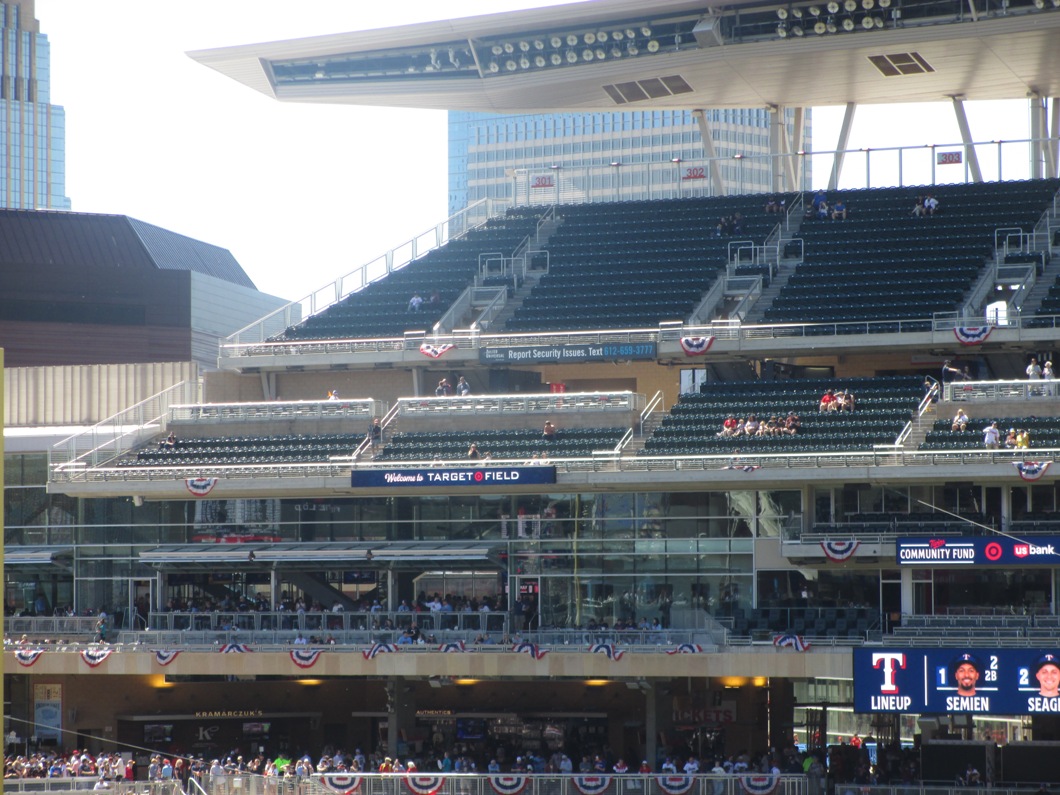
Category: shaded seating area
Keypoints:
(242, 450)
(634, 264)
(509, 443)
(843, 622)
(1044, 432)
(382, 308)
(883, 406)
(915, 523)
(1050, 306)
(883, 263)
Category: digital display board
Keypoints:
(961, 680)
(588, 352)
(452, 476)
(978, 550)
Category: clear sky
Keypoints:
(300, 193)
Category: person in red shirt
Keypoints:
(828, 401)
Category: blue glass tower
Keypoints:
(485, 149)
(32, 130)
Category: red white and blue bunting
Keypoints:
(696, 346)
(26, 657)
(235, 648)
(165, 657)
(341, 783)
(759, 785)
(305, 658)
(790, 641)
(686, 648)
(94, 657)
(606, 649)
(200, 487)
(435, 351)
(526, 647)
(424, 785)
(453, 646)
(838, 551)
(377, 649)
(591, 785)
(508, 785)
(972, 335)
(675, 785)
(1031, 470)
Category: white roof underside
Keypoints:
(996, 56)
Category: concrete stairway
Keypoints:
(785, 267)
(921, 427)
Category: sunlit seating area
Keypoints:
(634, 264)
(511, 443)
(1044, 431)
(884, 263)
(882, 408)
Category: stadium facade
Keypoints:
(635, 581)
(33, 137)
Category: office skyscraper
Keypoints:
(32, 130)
(605, 156)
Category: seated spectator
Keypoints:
(728, 428)
(792, 423)
(169, 441)
(819, 198)
(839, 210)
(931, 205)
(473, 451)
(740, 423)
(844, 401)
(1023, 439)
(823, 210)
(771, 205)
(960, 422)
(918, 208)
(1010, 438)
(333, 394)
(549, 431)
(750, 428)
(415, 302)
(444, 388)
(828, 401)
(736, 226)
(992, 437)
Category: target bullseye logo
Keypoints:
(993, 551)
(479, 476)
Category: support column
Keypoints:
(781, 712)
(274, 588)
(841, 145)
(417, 382)
(906, 574)
(970, 156)
(1037, 135)
(777, 142)
(651, 730)
(1054, 137)
(795, 163)
(716, 182)
(401, 713)
(268, 386)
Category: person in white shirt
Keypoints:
(1034, 372)
(991, 437)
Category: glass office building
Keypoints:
(32, 130)
(490, 155)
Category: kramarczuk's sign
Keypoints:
(978, 550)
(587, 352)
(454, 476)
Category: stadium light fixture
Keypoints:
(494, 67)
(868, 4)
(540, 62)
(848, 24)
(617, 35)
(572, 40)
(833, 7)
(797, 13)
(556, 59)
(814, 11)
(539, 44)
(878, 23)
(820, 29)
(868, 23)
(616, 52)
(630, 33)
(633, 49)
(653, 46)
(645, 32)
(511, 65)
(782, 30)
(782, 13)
(600, 53)
(1056, 3)
(524, 46)
(589, 38)
(555, 42)
(798, 32)
(496, 49)
(509, 47)
(1039, 4)
(601, 37)
(885, 3)
(524, 63)
(572, 56)
(850, 6)
(587, 55)
(830, 25)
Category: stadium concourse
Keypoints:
(637, 479)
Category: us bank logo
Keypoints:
(889, 697)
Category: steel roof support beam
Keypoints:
(970, 156)
(841, 145)
(1039, 133)
(716, 182)
(1054, 139)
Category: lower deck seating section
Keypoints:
(985, 628)
(853, 623)
(382, 309)
(518, 443)
(882, 408)
(1050, 306)
(243, 450)
(634, 264)
(885, 263)
(1044, 431)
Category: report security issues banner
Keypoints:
(961, 680)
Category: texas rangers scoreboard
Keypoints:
(967, 680)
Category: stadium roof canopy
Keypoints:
(613, 54)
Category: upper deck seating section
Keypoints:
(241, 450)
(883, 263)
(515, 443)
(634, 264)
(382, 308)
(1044, 432)
(883, 406)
